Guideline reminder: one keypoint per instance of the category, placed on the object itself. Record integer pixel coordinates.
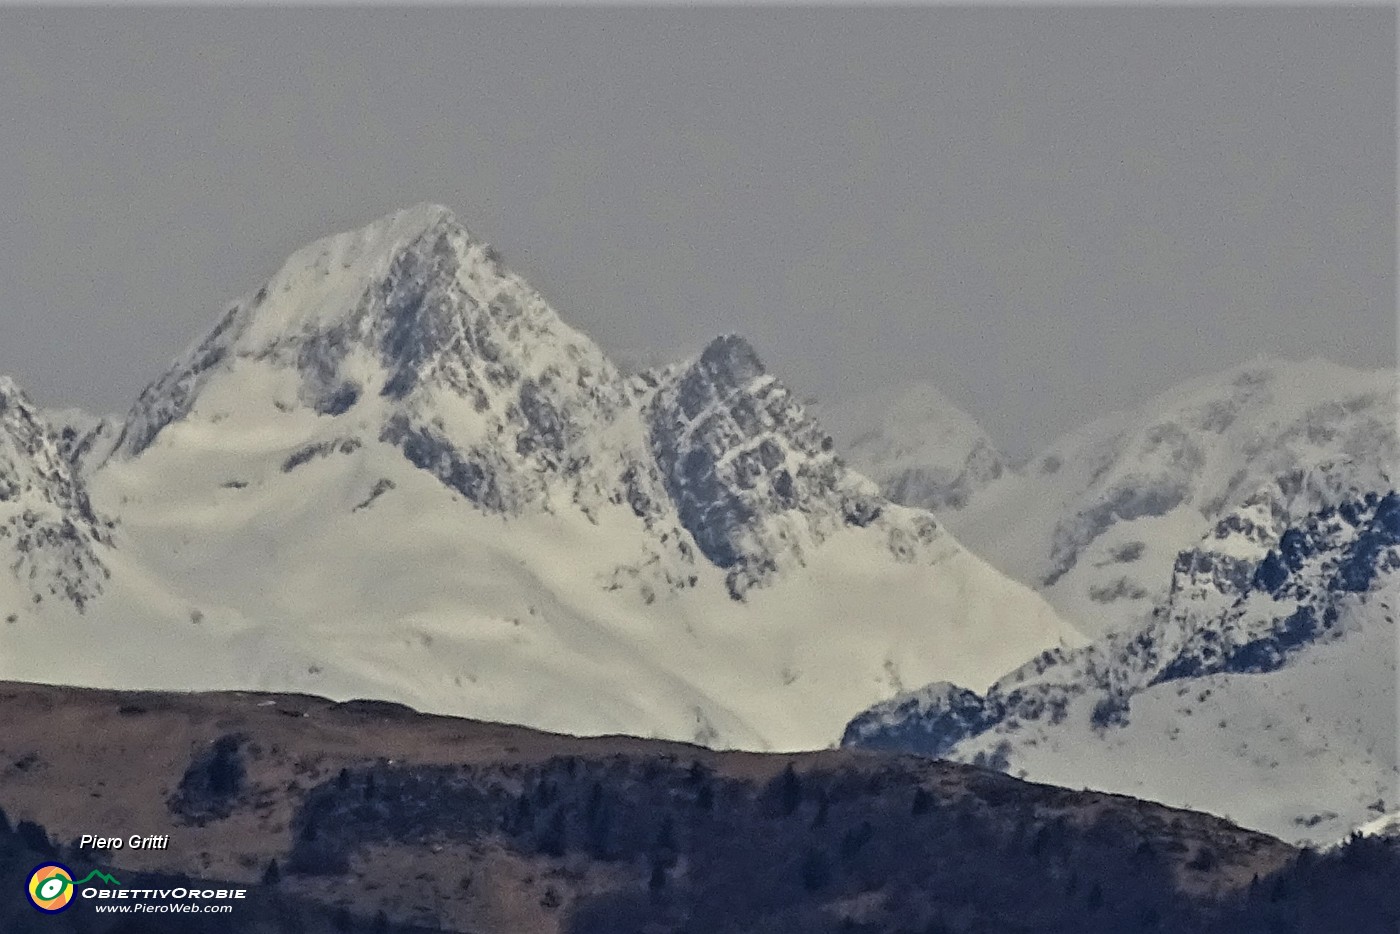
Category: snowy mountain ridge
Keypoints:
(1284, 613)
(1231, 545)
(754, 478)
(393, 471)
(1096, 520)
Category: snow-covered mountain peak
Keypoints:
(324, 281)
(393, 471)
(408, 317)
(917, 445)
(754, 477)
(730, 361)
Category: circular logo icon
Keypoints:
(51, 887)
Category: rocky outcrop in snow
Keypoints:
(53, 539)
(1307, 570)
(1097, 520)
(753, 476)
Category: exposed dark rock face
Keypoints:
(1336, 551)
(1073, 535)
(752, 475)
(930, 722)
(172, 396)
(319, 449)
(475, 480)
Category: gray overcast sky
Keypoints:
(1046, 212)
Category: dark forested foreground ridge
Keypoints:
(369, 817)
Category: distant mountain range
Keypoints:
(1235, 544)
(393, 471)
(1096, 520)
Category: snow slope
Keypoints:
(392, 471)
(1262, 689)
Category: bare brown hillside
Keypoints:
(466, 826)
